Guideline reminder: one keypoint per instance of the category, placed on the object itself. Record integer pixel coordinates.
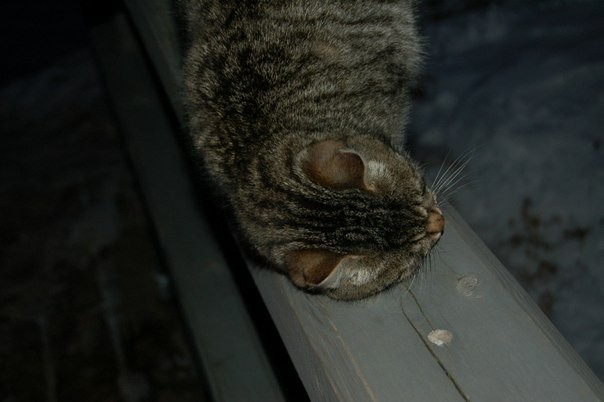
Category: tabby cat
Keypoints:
(298, 110)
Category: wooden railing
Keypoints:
(467, 332)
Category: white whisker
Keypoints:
(460, 163)
(437, 183)
(445, 183)
(411, 284)
(455, 190)
(454, 177)
(437, 177)
(452, 183)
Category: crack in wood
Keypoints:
(427, 346)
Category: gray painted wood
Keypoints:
(354, 351)
(503, 344)
(502, 348)
(233, 360)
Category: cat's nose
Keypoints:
(436, 222)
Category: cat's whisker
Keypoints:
(452, 185)
(456, 162)
(453, 170)
(423, 281)
(455, 173)
(454, 191)
(420, 274)
(443, 177)
(443, 202)
(466, 178)
(437, 182)
(437, 177)
(411, 283)
(461, 181)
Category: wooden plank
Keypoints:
(232, 356)
(354, 351)
(503, 344)
(502, 347)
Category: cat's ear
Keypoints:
(315, 268)
(333, 165)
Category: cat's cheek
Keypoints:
(361, 277)
(349, 272)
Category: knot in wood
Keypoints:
(466, 284)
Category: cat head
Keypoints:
(369, 218)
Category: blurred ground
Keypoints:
(519, 88)
(86, 310)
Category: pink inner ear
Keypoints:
(311, 267)
(331, 165)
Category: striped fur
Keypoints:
(264, 81)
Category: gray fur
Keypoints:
(264, 81)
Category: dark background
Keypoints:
(87, 311)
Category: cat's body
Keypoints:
(298, 110)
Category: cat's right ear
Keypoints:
(315, 268)
(330, 164)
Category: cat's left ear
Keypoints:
(333, 165)
(315, 268)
